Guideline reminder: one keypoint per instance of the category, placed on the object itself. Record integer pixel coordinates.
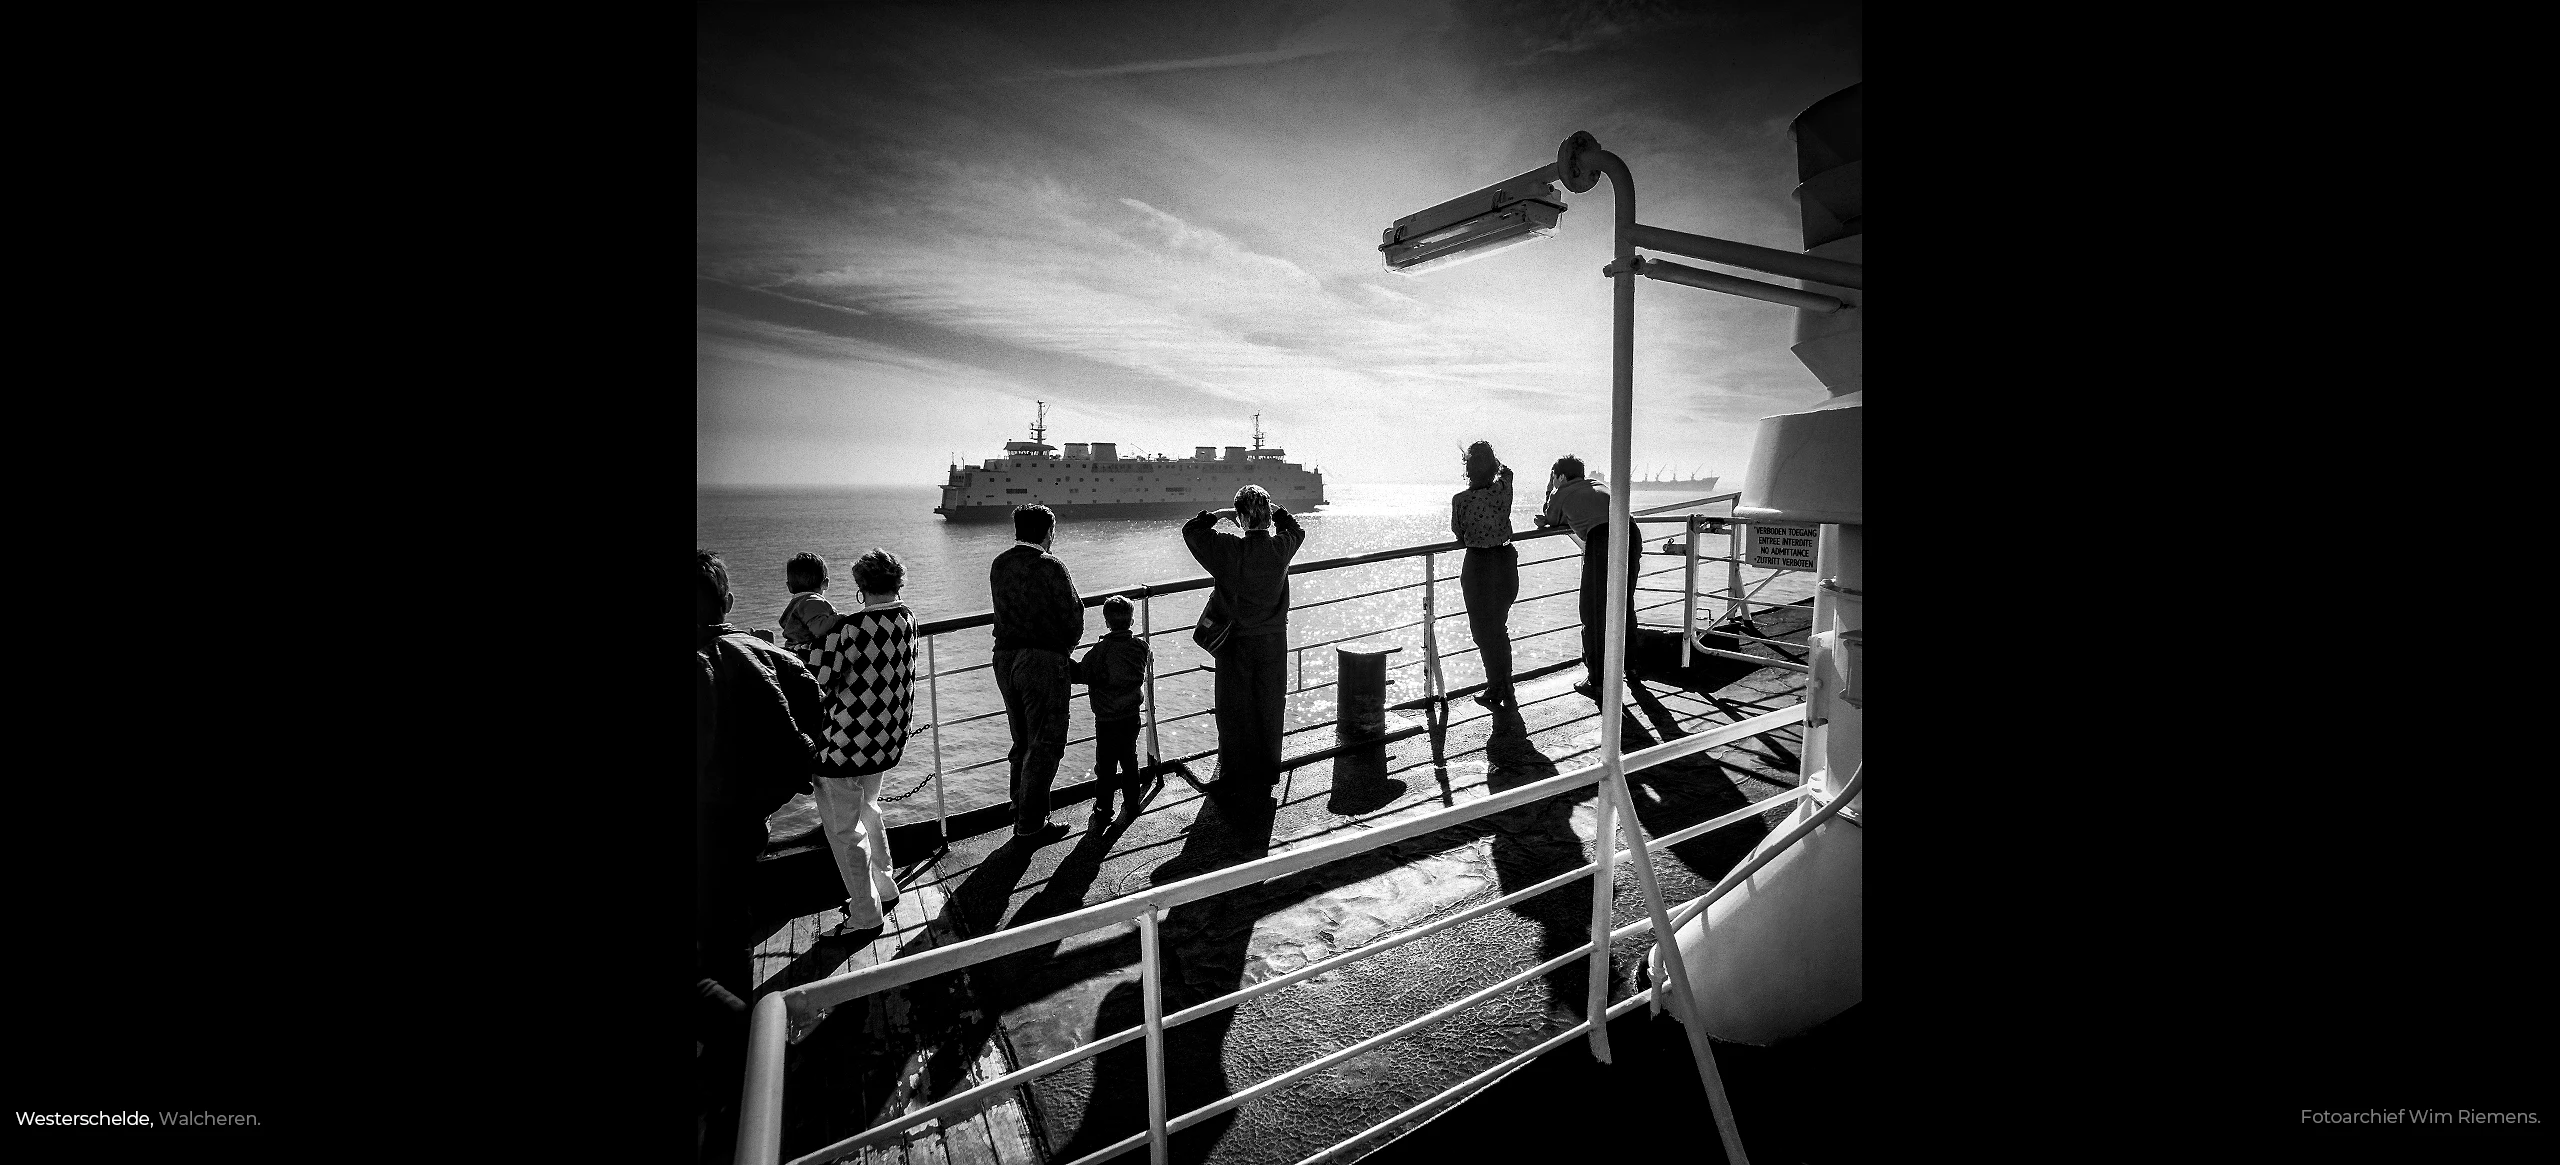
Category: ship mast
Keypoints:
(1257, 430)
(1040, 423)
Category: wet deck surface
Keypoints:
(907, 1048)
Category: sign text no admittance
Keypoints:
(1783, 547)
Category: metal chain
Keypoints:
(918, 787)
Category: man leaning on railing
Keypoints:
(1582, 504)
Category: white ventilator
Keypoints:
(1781, 949)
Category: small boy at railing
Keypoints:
(810, 615)
(1112, 673)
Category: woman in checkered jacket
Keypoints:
(866, 672)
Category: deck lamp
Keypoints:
(1522, 209)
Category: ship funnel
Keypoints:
(1235, 452)
(1106, 451)
(1204, 452)
(1077, 450)
(1831, 196)
(1808, 466)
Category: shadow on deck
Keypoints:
(907, 1048)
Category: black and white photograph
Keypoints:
(1277, 582)
(1280, 583)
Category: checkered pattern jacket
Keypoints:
(866, 672)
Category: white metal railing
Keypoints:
(1735, 596)
(760, 1127)
(779, 1013)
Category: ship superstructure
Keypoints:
(1080, 480)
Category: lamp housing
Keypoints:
(1516, 210)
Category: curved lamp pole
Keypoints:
(1517, 210)
(1581, 163)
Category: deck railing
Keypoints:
(779, 1013)
(1735, 595)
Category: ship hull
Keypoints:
(1101, 511)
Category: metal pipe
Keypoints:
(1709, 500)
(1604, 840)
(969, 1100)
(1687, 276)
(1147, 615)
(1151, 985)
(760, 1104)
(1738, 607)
(933, 708)
(1689, 592)
(838, 989)
(1622, 531)
(1734, 878)
(1791, 264)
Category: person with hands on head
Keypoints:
(1480, 517)
(1252, 593)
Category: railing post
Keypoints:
(760, 1099)
(1151, 987)
(1438, 710)
(1147, 627)
(1689, 593)
(933, 708)
(1604, 855)
(1737, 608)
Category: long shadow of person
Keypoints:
(884, 1053)
(1536, 842)
(1203, 946)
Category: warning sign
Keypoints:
(1783, 547)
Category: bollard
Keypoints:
(1360, 698)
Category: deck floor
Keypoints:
(904, 1049)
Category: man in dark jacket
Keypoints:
(1039, 618)
(756, 712)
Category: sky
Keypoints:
(911, 222)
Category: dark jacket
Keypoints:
(1036, 602)
(761, 708)
(1252, 570)
(1114, 674)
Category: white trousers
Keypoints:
(849, 808)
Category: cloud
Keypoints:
(1153, 256)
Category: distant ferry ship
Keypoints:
(1701, 484)
(1095, 481)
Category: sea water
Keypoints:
(757, 530)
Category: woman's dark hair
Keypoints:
(879, 573)
(806, 572)
(1482, 465)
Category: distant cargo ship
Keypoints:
(1700, 484)
(1094, 480)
